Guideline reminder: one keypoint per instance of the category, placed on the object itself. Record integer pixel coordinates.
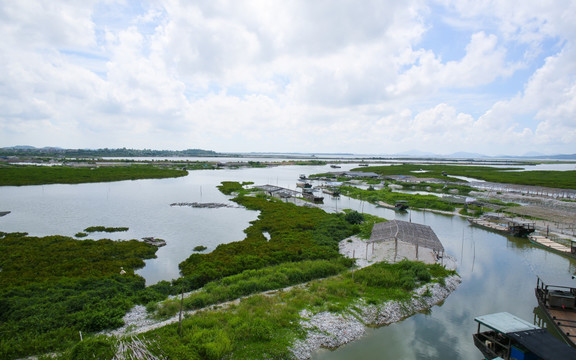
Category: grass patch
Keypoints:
(17, 175)
(296, 234)
(53, 287)
(265, 326)
(92, 229)
(390, 197)
(509, 175)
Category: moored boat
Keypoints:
(401, 205)
(508, 337)
(511, 228)
(549, 244)
(559, 305)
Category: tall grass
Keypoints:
(265, 326)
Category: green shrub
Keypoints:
(354, 217)
(98, 347)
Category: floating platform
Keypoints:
(153, 241)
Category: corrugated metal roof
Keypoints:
(505, 322)
(417, 234)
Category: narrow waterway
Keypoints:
(498, 272)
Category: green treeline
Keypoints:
(38, 175)
(296, 234)
(509, 175)
(123, 152)
(53, 287)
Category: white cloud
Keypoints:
(259, 75)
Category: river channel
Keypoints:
(498, 273)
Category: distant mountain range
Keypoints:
(31, 150)
(467, 155)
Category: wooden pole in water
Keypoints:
(180, 316)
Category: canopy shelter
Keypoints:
(416, 234)
(534, 339)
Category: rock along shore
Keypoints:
(329, 330)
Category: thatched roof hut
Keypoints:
(416, 234)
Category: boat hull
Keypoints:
(562, 318)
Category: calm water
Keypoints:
(498, 273)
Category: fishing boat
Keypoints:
(559, 305)
(511, 228)
(549, 244)
(331, 191)
(310, 195)
(401, 205)
(505, 336)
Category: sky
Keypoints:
(339, 76)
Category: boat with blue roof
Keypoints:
(508, 337)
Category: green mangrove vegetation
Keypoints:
(509, 175)
(251, 282)
(296, 234)
(18, 175)
(264, 326)
(92, 229)
(53, 287)
(390, 197)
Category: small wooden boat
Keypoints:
(331, 191)
(401, 205)
(509, 337)
(310, 195)
(559, 305)
(549, 244)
